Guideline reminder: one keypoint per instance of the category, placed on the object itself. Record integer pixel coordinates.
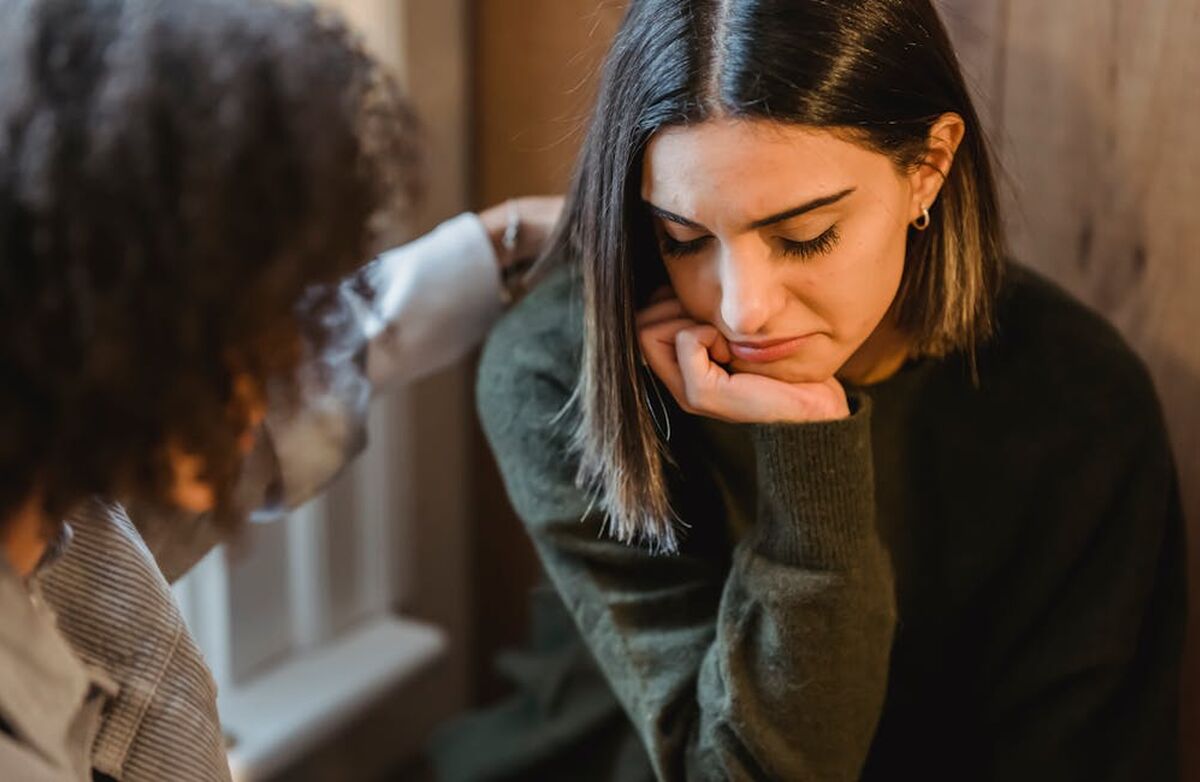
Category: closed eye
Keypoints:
(811, 248)
(673, 248)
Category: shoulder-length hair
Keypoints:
(878, 72)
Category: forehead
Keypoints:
(753, 166)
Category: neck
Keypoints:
(23, 536)
(880, 357)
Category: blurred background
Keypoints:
(342, 636)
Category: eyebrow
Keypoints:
(807, 206)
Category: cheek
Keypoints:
(888, 269)
(857, 290)
(695, 288)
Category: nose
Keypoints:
(747, 279)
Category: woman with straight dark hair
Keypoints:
(828, 488)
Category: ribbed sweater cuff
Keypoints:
(816, 493)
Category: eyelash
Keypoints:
(806, 249)
(674, 249)
(821, 245)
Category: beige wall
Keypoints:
(534, 69)
(534, 80)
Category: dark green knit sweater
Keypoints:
(959, 581)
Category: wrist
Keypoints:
(816, 490)
(501, 222)
(816, 403)
(833, 409)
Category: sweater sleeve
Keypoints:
(772, 667)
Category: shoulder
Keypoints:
(526, 382)
(532, 357)
(1064, 358)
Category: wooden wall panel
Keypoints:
(535, 80)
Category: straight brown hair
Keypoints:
(878, 72)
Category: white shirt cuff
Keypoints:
(435, 299)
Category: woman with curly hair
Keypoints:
(187, 194)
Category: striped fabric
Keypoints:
(117, 612)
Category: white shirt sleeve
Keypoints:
(434, 301)
(431, 302)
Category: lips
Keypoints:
(768, 350)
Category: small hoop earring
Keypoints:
(922, 222)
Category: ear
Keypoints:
(930, 174)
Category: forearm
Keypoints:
(430, 302)
(434, 300)
(779, 668)
(794, 684)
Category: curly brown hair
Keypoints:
(181, 186)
